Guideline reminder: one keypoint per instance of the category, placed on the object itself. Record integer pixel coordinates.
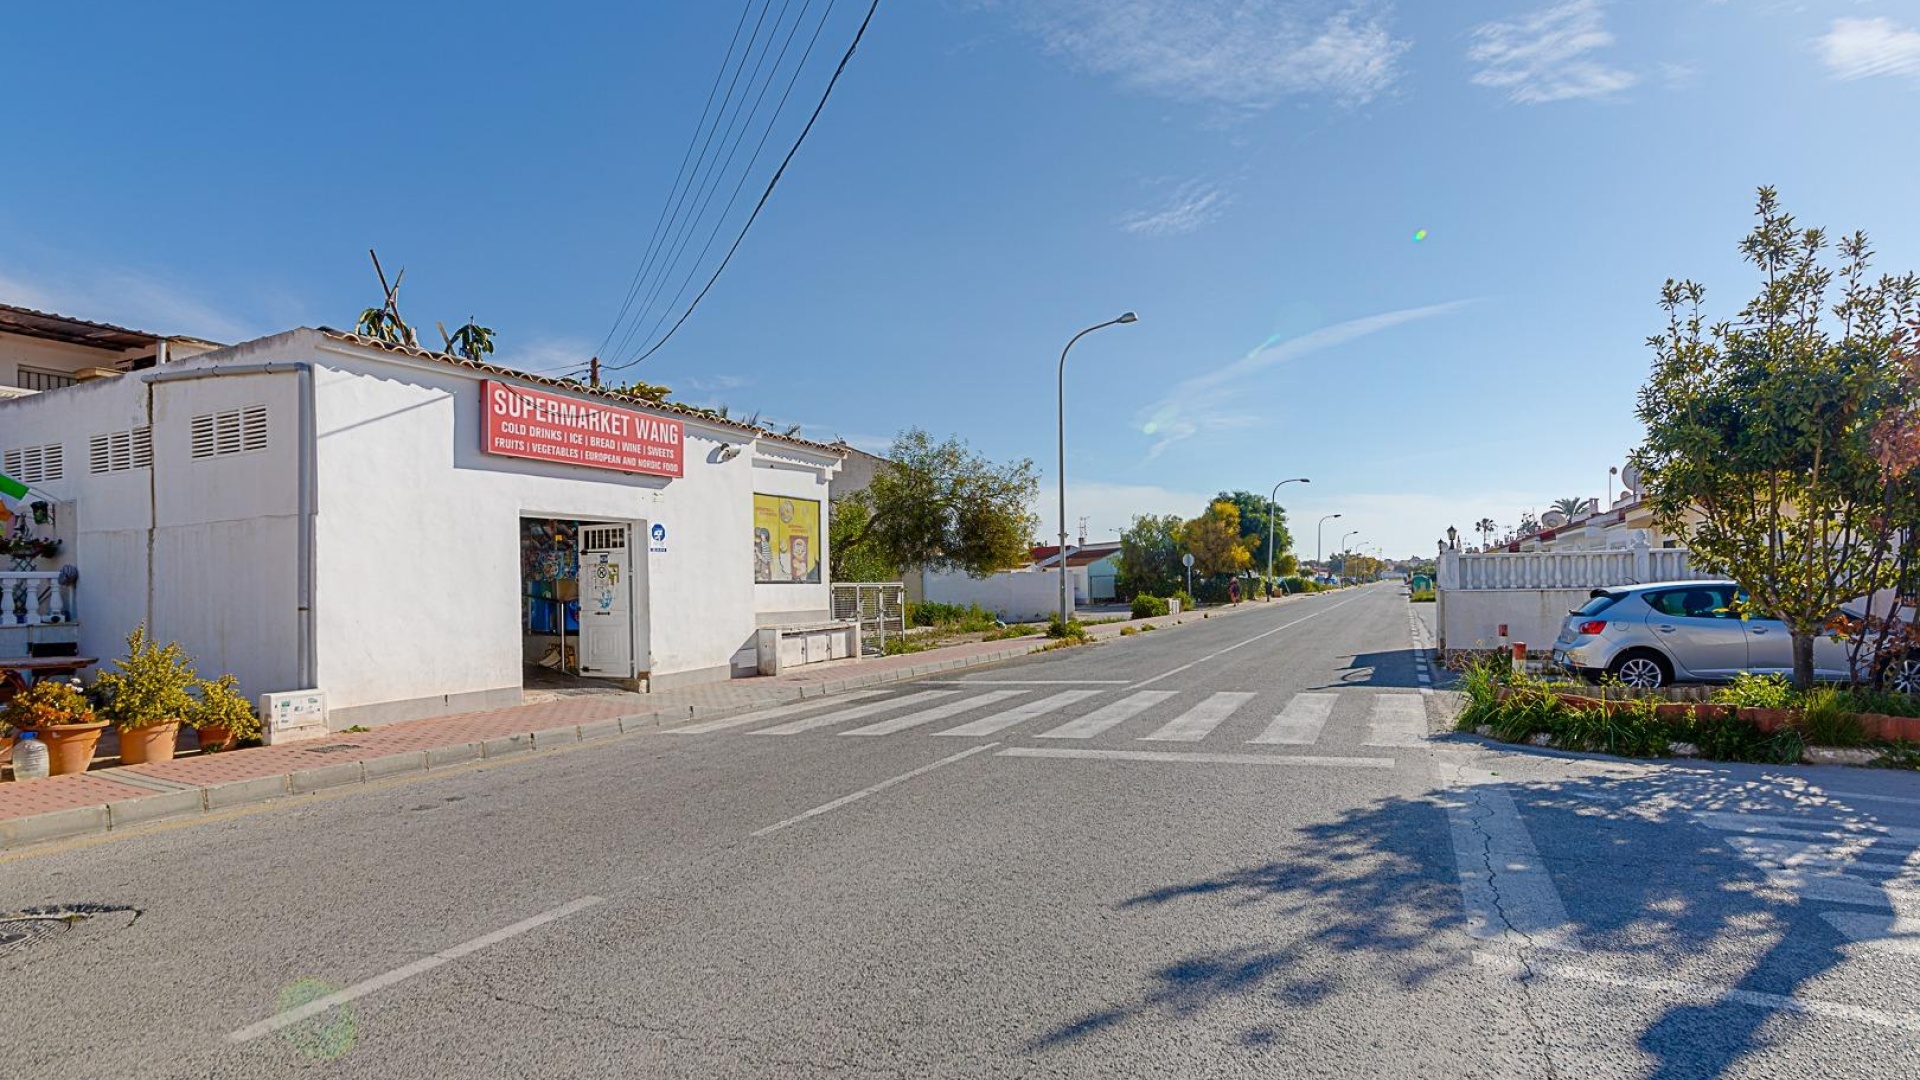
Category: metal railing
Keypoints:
(879, 610)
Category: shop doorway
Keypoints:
(578, 602)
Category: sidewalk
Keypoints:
(105, 799)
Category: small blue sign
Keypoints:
(659, 533)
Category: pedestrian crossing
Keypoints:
(1852, 861)
(1372, 718)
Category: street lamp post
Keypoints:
(1270, 505)
(1062, 385)
(1320, 539)
(1343, 539)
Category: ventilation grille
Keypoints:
(36, 379)
(35, 464)
(232, 431)
(120, 451)
(603, 538)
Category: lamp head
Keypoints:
(1129, 317)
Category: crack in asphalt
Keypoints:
(1477, 814)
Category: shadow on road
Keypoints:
(1393, 668)
(1647, 884)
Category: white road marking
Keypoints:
(1886, 933)
(938, 712)
(407, 971)
(771, 714)
(1193, 758)
(1019, 714)
(1397, 720)
(1806, 827)
(1301, 722)
(1107, 716)
(875, 789)
(843, 715)
(1198, 722)
(1240, 645)
(1027, 682)
(1504, 884)
(1701, 992)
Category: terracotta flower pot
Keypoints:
(213, 738)
(70, 746)
(153, 743)
(6, 749)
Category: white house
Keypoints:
(406, 531)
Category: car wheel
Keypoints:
(1642, 671)
(1902, 673)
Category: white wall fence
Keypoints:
(32, 598)
(1531, 592)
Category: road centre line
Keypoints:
(875, 789)
(1243, 644)
(1164, 756)
(1828, 1010)
(406, 971)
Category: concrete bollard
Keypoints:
(1500, 636)
(1519, 658)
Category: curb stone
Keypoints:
(129, 812)
(241, 792)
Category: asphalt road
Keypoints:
(1224, 850)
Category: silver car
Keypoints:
(1692, 631)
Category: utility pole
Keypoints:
(593, 372)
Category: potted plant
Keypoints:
(59, 715)
(146, 697)
(222, 715)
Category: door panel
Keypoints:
(606, 602)
(1769, 646)
(1700, 631)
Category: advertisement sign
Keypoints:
(524, 423)
(786, 540)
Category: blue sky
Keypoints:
(990, 177)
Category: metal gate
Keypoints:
(880, 611)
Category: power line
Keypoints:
(766, 195)
(698, 180)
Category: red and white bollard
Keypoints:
(1519, 658)
(1500, 637)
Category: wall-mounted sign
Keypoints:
(525, 423)
(658, 536)
(786, 540)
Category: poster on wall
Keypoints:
(786, 541)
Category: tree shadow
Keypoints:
(1393, 667)
(1653, 870)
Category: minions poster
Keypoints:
(786, 541)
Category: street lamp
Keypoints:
(1343, 539)
(1270, 499)
(1126, 318)
(1453, 538)
(1320, 538)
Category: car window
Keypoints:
(1597, 605)
(1695, 602)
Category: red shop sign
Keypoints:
(549, 427)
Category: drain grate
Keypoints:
(19, 929)
(334, 748)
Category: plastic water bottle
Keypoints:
(29, 757)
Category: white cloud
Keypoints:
(130, 298)
(1196, 404)
(1194, 205)
(1108, 507)
(1864, 48)
(1544, 57)
(1225, 52)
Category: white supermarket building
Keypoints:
(406, 531)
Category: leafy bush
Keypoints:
(1129, 631)
(47, 703)
(1070, 630)
(969, 619)
(218, 704)
(1863, 699)
(1185, 598)
(896, 646)
(1826, 720)
(147, 686)
(1750, 691)
(1014, 631)
(1144, 627)
(1147, 607)
(1422, 596)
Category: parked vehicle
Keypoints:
(1693, 631)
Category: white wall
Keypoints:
(1471, 619)
(1015, 595)
(45, 355)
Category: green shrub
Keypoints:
(1129, 631)
(1863, 699)
(969, 619)
(897, 646)
(218, 704)
(1147, 607)
(1005, 632)
(1070, 630)
(1826, 720)
(1185, 598)
(1421, 596)
(1749, 691)
(147, 686)
(1144, 627)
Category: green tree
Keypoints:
(852, 560)
(1571, 506)
(1149, 561)
(1485, 528)
(1215, 542)
(1761, 435)
(1253, 523)
(940, 505)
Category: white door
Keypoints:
(606, 601)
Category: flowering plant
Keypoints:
(46, 704)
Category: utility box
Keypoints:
(293, 716)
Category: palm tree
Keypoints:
(1571, 507)
(1485, 527)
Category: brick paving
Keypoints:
(199, 771)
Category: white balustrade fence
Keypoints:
(32, 598)
(1531, 592)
